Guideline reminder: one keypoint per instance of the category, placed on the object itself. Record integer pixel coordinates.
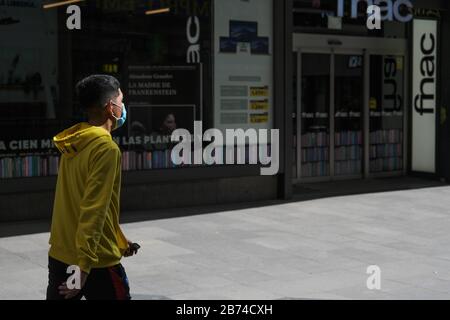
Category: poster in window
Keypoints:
(243, 69)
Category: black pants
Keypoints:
(102, 283)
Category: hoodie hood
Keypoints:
(72, 141)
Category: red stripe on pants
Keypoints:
(118, 285)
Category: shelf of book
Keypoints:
(348, 152)
(319, 154)
(391, 136)
(386, 165)
(315, 154)
(315, 139)
(28, 166)
(132, 160)
(386, 150)
(348, 138)
(315, 169)
(41, 165)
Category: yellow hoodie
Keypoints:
(85, 224)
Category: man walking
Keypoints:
(85, 228)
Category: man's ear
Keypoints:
(109, 109)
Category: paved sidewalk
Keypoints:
(318, 249)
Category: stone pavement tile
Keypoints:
(420, 249)
(161, 248)
(309, 252)
(390, 290)
(283, 242)
(22, 244)
(406, 269)
(146, 265)
(441, 267)
(332, 262)
(247, 276)
(327, 234)
(29, 284)
(147, 297)
(205, 262)
(298, 265)
(384, 249)
(315, 283)
(244, 229)
(144, 230)
(216, 250)
(229, 292)
(260, 221)
(427, 281)
(198, 225)
(287, 267)
(10, 261)
(368, 257)
(37, 258)
(138, 292)
(162, 284)
(199, 295)
(323, 296)
(175, 269)
(205, 281)
(373, 238)
(259, 251)
(403, 291)
(292, 288)
(380, 231)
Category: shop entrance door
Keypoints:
(349, 119)
(330, 121)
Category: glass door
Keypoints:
(314, 158)
(329, 121)
(348, 114)
(386, 112)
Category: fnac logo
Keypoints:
(244, 32)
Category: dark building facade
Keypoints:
(350, 102)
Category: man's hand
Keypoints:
(70, 293)
(131, 250)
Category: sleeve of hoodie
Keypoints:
(94, 204)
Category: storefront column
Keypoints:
(444, 133)
(283, 91)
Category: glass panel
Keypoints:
(349, 100)
(315, 115)
(41, 61)
(386, 113)
(294, 116)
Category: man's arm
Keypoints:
(95, 203)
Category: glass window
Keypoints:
(42, 60)
(386, 113)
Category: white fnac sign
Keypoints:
(391, 10)
(424, 97)
(193, 52)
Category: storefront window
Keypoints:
(162, 60)
(387, 105)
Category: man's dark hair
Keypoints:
(96, 90)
